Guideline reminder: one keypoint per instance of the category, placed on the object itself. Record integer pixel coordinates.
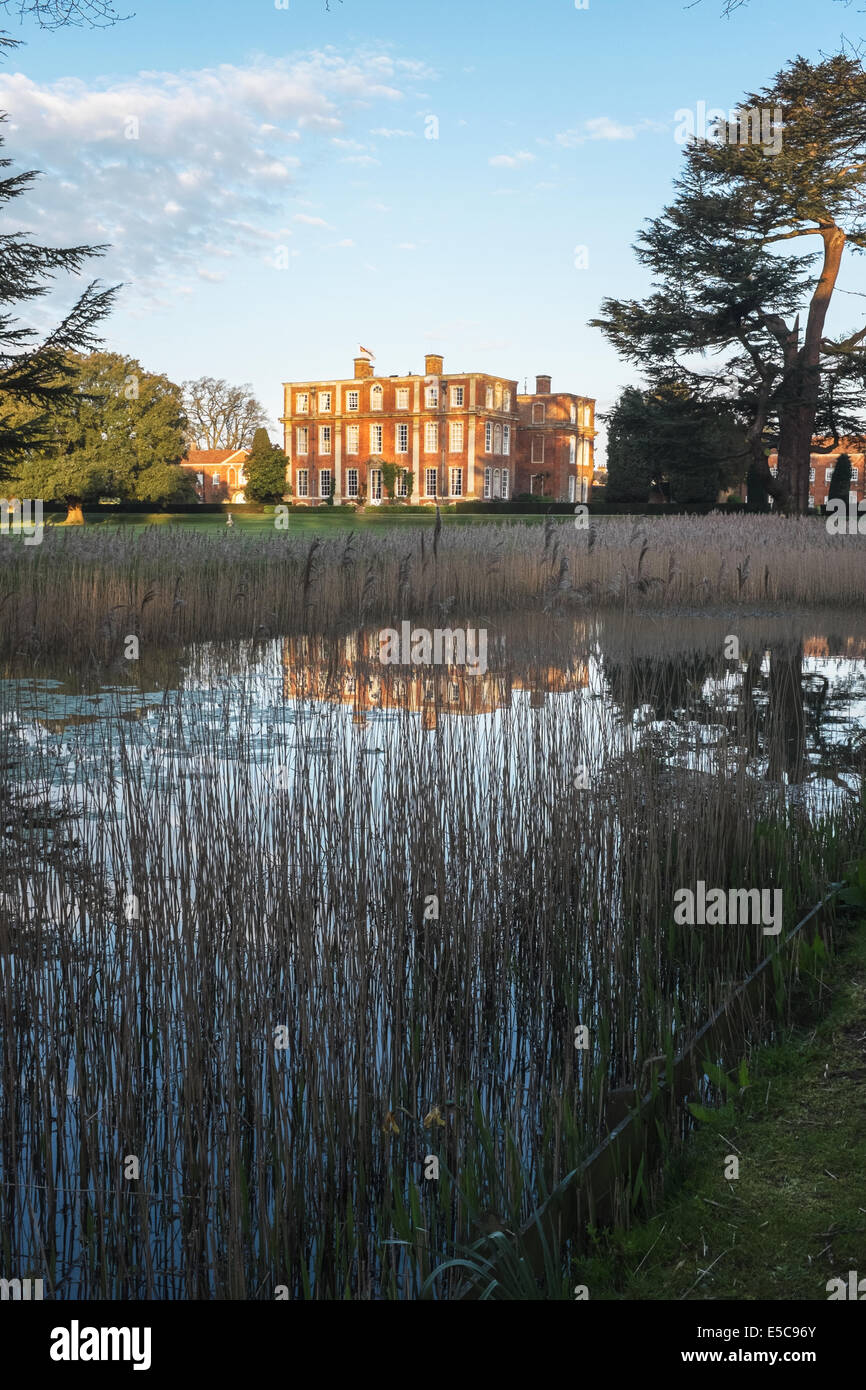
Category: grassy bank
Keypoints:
(796, 1216)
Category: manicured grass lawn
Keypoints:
(796, 1216)
(315, 520)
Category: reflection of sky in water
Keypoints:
(229, 740)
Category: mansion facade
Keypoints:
(464, 436)
(821, 470)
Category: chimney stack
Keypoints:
(542, 386)
(363, 368)
(433, 364)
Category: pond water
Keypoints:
(279, 923)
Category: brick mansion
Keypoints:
(456, 436)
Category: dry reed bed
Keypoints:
(299, 901)
(82, 591)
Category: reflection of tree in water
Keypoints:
(669, 685)
(779, 711)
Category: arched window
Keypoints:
(376, 395)
(496, 482)
(497, 439)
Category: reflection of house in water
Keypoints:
(844, 648)
(347, 670)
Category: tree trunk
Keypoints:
(786, 717)
(803, 380)
(74, 515)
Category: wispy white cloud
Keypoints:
(603, 128)
(511, 161)
(171, 168)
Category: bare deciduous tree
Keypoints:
(56, 14)
(222, 416)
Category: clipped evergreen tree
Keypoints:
(265, 469)
(840, 482)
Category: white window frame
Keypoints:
(455, 476)
(497, 440)
(325, 439)
(431, 397)
(488, 482)
(303, 482)
(401, 439)
(377, 439)
(828, 475)
(353, 400)
(488, 437)
(431, 473)
(303, 441)
(572, 451)
(572, 488)
(497, 473)
(325, 473)
(351, 482)
(506, 440)
(402, 397)
(302, 402)
(505, 484)
(401, 483)
(353, 439)
(374, 485)
(431, 437)
(325, 402)
(377, 397)
(456, 437)
(458, 396)
(215, 480)
(812, 475)
(855, 474)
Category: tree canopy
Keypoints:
(120, 434)
(668, 438)
(736, 312)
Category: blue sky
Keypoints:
(272, 200)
